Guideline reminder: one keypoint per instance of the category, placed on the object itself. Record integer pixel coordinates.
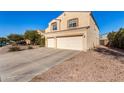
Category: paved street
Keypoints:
(22, 66)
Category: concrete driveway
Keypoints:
(24, 65)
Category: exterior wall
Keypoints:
(69, 32)
(92, 35)
(83, 20)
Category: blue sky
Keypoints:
(109, 21)
(19, 22)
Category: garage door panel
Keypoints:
(74, 43)
(51, 42)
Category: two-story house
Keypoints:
(73, 30)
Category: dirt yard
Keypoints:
(5, 49)
(99, 65)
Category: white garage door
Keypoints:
(51, 42)
(74, 43)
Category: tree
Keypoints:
(116, 39)
(34, 37)
(15, 37)
(119, 38)
(3, 39)
(111, 37)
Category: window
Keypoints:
(54, 26)
(73, 23)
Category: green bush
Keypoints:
(116, 39)
(34, 37)
(42, 42)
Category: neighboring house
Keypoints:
(41, 32)
(73, 30)
(104, 40)
(28, 42)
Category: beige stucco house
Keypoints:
(104, 40)
(41, 32)
(73, 30)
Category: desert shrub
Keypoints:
(13, 44)
(30, 47)
(14, 48)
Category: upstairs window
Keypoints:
(73, 23)
(54, 26)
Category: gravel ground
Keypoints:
(5, 49)
(100, 65)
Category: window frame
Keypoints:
(68, 23)
(52, 26)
